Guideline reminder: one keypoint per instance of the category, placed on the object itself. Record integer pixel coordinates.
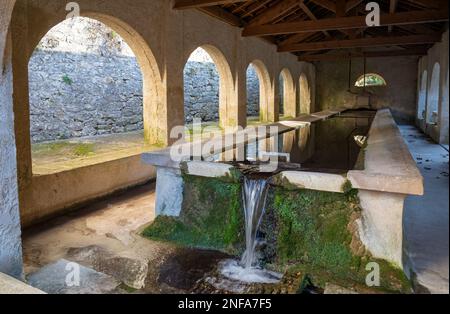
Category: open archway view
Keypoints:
(422, 99)
(432, 115)
(201, 94)
(253, 96)
(86, 97)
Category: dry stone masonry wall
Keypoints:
(85, 81)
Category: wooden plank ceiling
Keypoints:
(316, 30)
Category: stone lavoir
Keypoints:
(285, 236)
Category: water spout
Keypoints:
(254, 195)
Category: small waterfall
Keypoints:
(247, 270)
(254, 196)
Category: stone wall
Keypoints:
(90, 84)
(399, 95)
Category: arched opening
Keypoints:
(432, 115)
(422, 101)
(258, 79)
(208, 87)
(201, 89)
(305, 95)
(253, 96)
(91, 96)
(286, 95)
(370, 80)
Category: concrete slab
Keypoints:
(61, 278)
(426, 218)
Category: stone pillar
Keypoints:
(10, 230)
(381, 226)
(169, 192)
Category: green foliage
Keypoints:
(66, 79)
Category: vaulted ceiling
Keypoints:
(316, 30)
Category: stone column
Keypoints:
(169, 192)
(10, 230)
(381, 226)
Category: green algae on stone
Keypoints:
(311, 234)
(211, 218)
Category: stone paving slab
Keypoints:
(54, 279)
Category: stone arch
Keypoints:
(305, 94)
(422, 101)
(433, 95)
(289, 99)
(153, 92)
(265, 90)
(226, 104)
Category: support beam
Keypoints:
(223, 15)
(195, 4)
(351, 22)
(367, 54)
(392, 8)
(275, 12)
(431, 4)
(363, 42)
(327, 4)
(312, 16)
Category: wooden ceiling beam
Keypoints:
(431, 4)
(392, 9)
(312, 16)
(367, 54)
(195, 4)
(327, 4)
(275, 12)
(223, 15)
(364, 42)
(351, 22)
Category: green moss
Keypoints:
(211, 218)
(82, 150)
(66, 79)
(306, 232)
(313, 236)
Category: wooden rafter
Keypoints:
(351, 22)
(195, 4)
(367, 54)
(363, 42)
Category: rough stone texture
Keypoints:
(10, 285)
(52, 279)
(84, 81)
(399, 94)
(169, 191)
(10, 232)
(130, 270)
(75, 95)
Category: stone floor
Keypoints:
(426, 218)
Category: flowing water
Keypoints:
(248, 269)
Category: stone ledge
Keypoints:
(315, 181)
(10, 285)
(388, 164)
